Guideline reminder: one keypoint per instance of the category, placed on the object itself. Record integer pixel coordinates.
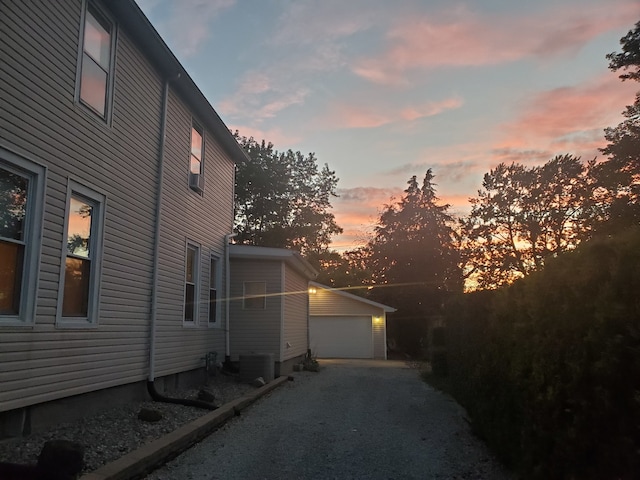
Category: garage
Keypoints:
(343, 325)
(341, 337)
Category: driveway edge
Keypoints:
(154, 454)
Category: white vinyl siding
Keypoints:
(256, 330)
(296, 314)
(203, 219)
(40, 120)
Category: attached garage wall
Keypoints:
(342, 337)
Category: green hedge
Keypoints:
(549, 368)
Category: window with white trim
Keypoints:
(215, 275)
(21, 199)
(80, 279)
(255, 296)
(191, 276)
(96, 62)
(196, 172)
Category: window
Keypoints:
(96, 62)
(79, 297)
(214, 282)
(254, 297)
(21, 199)
(196, 177)
(191, 283)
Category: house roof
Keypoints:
(291, 257)
(337, 291)
(138, 27)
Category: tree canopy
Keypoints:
(413, 259)
(619, 177)
(283, 199)
(629, 59)
(523, 215)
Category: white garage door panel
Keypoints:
(341, 337)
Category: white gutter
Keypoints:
(227, 274)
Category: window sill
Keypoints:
(75, 325)
(17, 324)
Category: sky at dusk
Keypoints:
(381, 90)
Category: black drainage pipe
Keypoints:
(151, 388)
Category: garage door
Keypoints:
(341, 337)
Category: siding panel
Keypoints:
(256, 331)
(296, 314)
(203, 219)
(40, 120)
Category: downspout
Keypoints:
(227, 274)
(156, 245)
(151, 388)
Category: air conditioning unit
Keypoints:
(196, 182)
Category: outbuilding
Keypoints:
(343, 325)
(269, 309)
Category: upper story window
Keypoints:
(79, 297)
(21, 199)
(196, 177)
(96, 64)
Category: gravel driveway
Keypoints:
(353, 419)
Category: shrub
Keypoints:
(549, 368)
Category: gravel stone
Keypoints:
(117, 431)
(352, 420)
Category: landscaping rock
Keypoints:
(206, 396)
(61, 459)
(258, 382)
(149, 415)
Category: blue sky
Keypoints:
(381, 90)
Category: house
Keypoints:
(343, 325)
(269, 304)
(116, 204)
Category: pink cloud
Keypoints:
(462, 38)
(565, 120)
(346, 115)
(275, 135)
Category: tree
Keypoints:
(346, 271)
(630, 56)
(524, 215)
(283, 199)
(413, 260)
(619, 177)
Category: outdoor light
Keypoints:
(312, 289)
